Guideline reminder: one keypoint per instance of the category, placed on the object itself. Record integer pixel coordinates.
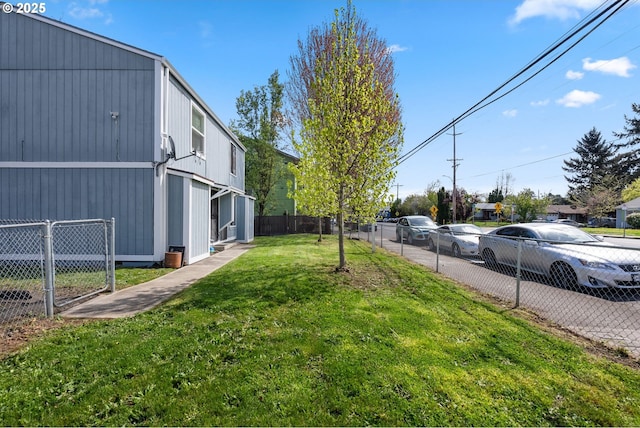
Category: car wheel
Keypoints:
(431, 245)
(455, 249)
(489, 258)
(409, 239)
(563, 275)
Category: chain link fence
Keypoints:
(591, 289)
(45, 266)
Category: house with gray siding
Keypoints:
(93, 128)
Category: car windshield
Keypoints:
(565, 234)
(420, 221)
(465, 229)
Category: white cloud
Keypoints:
(85, 12)
(80, 11)
(396, 48)
(558, 9)
(510, 113)
(205, 29)
(578, 98)
(618, 66)
(540, 103)
(574, 75)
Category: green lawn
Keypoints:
(278, 338)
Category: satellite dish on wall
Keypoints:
(172, 152)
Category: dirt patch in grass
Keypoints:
(15, 335)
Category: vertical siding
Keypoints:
(70, 194)
(57, 89)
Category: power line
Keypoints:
(519, 166)
(617, 5)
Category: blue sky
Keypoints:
(449, 54)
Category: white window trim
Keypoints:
(233, 160)
(194, 106)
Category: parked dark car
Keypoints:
(414, 228)
(602, 222)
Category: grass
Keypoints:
(277, 337)
(127, 276)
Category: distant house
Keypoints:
(633, 206)
(572, 212)
(93, 128)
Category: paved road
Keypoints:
(612, 317)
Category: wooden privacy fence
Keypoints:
(289, 224)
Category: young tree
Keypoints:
(258, 128)
(526, 205)
(341, 89)
(632, 191)
(628, 163)
(592, 164)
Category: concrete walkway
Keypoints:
(143, 297)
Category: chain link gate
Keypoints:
(46, 265)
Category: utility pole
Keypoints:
(398, 190)
(455, 166)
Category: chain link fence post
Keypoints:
(518, 273)
(112, 254)
(49, 271)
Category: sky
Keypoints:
(448, 54)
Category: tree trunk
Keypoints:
(343, 261)
(319, 229)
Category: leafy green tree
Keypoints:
(350, 135)
(258, 127)
(601, 200)
(526, 205)
(592, 165)
(416, 205)
(632, 191)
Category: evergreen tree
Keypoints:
(593, 164)
(628, 162)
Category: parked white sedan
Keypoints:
(460, 239)
(565, 254)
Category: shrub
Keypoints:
(633, 220)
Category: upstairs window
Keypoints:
(233, 159)
(197, 131)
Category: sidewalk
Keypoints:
(143, 297)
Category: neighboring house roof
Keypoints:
(142, 52)
(633, 204)
(567, 209)
(486, 206)
(288, 156)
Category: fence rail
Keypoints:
(598, 298)
(290, 224)
(46, 265)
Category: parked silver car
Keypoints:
(567, 255)
(460, 239)
(414, 228)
